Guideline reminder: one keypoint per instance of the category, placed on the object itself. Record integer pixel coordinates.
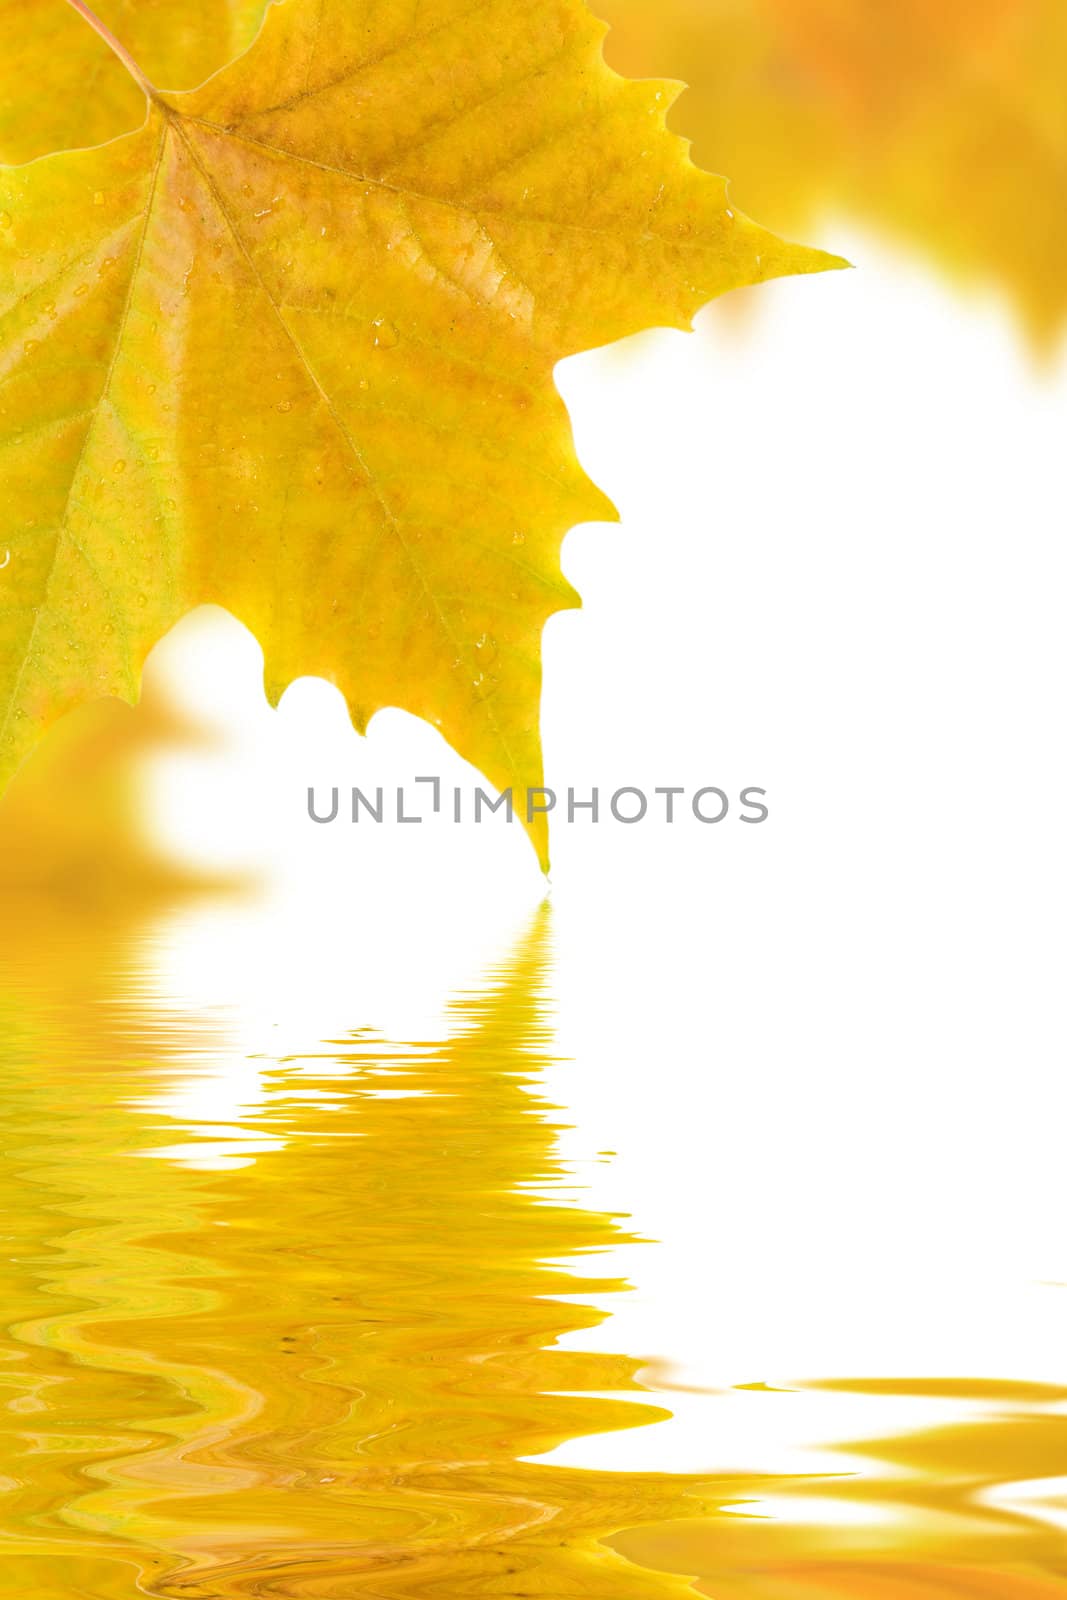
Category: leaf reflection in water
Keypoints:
(314, 1344)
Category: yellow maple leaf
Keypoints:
(60, 85)
(942, 122)
(289, 348)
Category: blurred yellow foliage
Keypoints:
(941, 122)
(74, 823)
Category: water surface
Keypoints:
(309, 1337)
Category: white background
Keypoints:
(827, 1051)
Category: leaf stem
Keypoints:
(113, 44)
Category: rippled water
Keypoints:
(308, 1344)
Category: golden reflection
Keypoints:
(323, 1369)
(928, 1514)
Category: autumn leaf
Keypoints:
(289, 348)
(61, 86)
(943, 123)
